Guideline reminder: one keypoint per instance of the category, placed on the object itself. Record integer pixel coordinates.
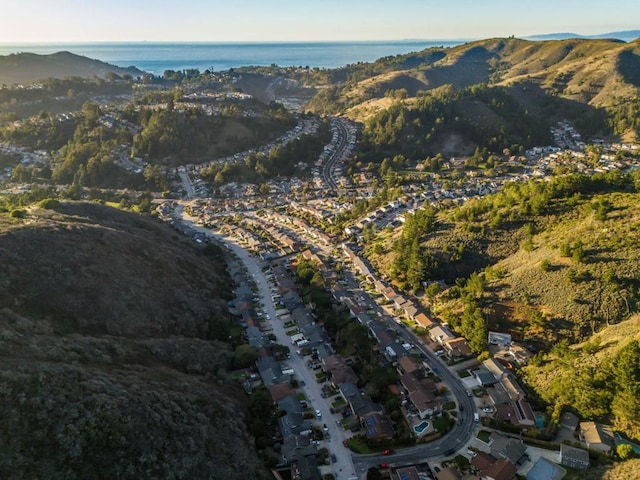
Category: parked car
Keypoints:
(388, 451)
(384, 465)
(333, 458)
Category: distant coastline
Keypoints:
(156, 57)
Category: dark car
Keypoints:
(388, 451)
(384, 465)
(333, 458)
(449, 452)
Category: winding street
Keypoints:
(456, 439)
(350, 465)
(338, 154)
(343, 467)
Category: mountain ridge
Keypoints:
(26, 67)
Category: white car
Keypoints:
(318, 414)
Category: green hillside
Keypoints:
(113, 364)
(563, 253)
(555, 264)
(30, 67)
(593, 83)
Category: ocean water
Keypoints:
(155, 57)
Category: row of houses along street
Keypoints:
(477, 391)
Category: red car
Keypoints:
(388, 452)
(384, 465)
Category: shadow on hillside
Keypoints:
(589, 120)
(629, 67)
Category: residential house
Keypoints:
(570, 421)
(509, 448)
(406, 473)
(524, 413)
(410, 310)
(394, 351)
(513, 388)
(408, 364)
(520, 354)
(424, 321)
(338, 370)
(359, 403)
(293, 421)
(505, 413)
(501, 339)
(495, 367)
(425, 403)
(377, 426)
(484, 377)
(440, 334)
(597, 436)
(305, 467)
(457, 347)
(293, 445)
(498, 394)
(482, 461)
(380, 335)
(279, 391)
(271, 372)
(574, 457)
(501, 469)
(421, 393)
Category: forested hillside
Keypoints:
(114, 359)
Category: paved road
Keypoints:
(186, 182)
(456, 439)
(344, 467)
(338, 153)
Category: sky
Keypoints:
(60, 21)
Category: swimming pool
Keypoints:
(420, 428)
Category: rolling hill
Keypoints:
(111, 364)
(576, 74)
(30, 67)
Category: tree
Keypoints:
(244, 356)
(625, 406)
(374, 474)
(624, 451)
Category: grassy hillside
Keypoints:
(556, 79)
(30, 67)
(598, 378)
(112, 360)
(555, 264)
(591, 71)
(560, 259)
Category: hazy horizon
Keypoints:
(282, 21)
